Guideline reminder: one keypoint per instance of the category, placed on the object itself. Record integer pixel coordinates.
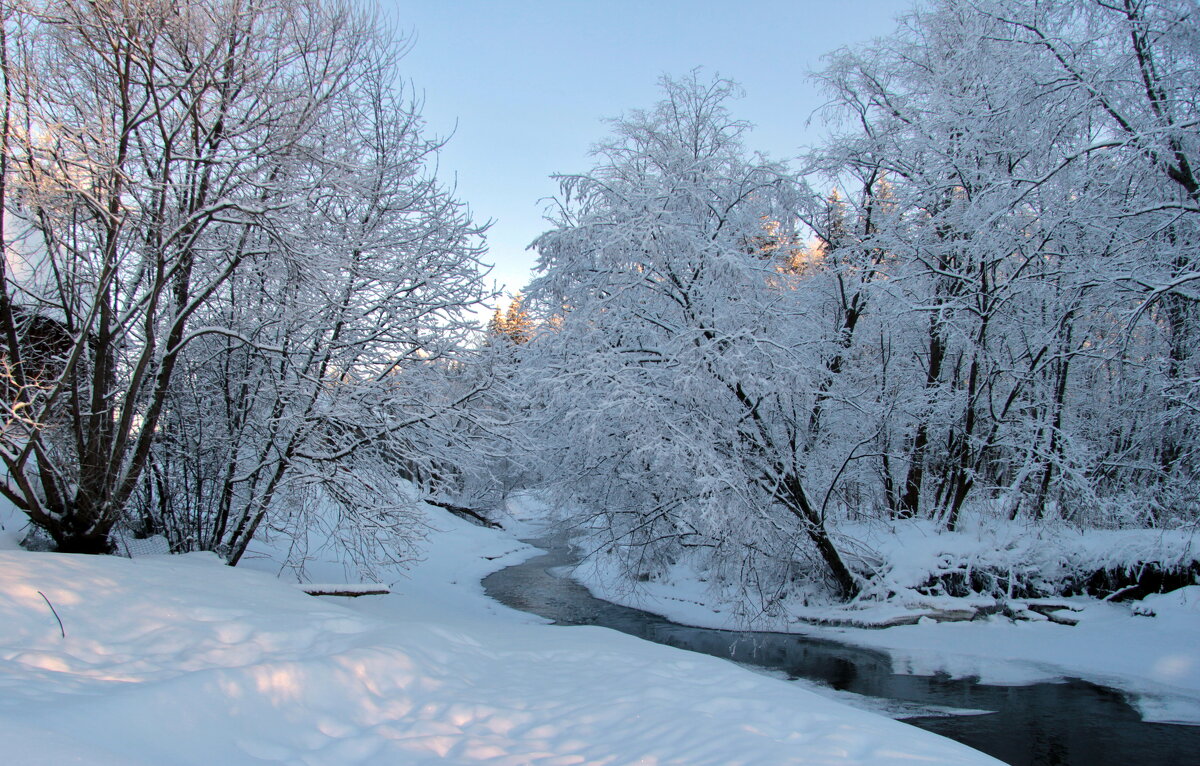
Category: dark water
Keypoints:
(1073, 722)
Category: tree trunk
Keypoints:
(911, 500)
(791, 493)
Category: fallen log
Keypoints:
(1062, 619)
(908, 618)
(346, 589)
(470, 514)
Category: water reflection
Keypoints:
(1073, 722)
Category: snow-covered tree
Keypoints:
(230, 215)
(1039, 157)
(992, 315)
(676, 367)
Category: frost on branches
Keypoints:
(232, 287)
(679, 361)
(977, 305)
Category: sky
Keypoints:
(524, 86)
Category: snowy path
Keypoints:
(183, 661)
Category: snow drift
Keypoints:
(179, 660)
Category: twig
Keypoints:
(55, 611)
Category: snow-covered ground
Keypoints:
(180, 660)
(1149, 649)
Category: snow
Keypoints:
(181, 660)
(1148, 649)
(1156, 661)
(1045, 556)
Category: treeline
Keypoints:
(235, 299)
(975, 302)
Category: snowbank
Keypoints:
(1148, 649)
(1017, 560)
(180, 660)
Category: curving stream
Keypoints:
(1073, 722)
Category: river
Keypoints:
(1073, 722)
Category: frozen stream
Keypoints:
(1047, 723)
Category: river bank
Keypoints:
(1065, 722)
(1147, 649)
(181, 660)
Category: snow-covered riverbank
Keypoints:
(182, 660)
(1147, 649)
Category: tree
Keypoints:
(512, 325)
(1044, 230)
(229, 213)
(678, 373)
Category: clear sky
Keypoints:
(526, 84)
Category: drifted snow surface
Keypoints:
(180, 660)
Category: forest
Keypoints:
(238, 303)
(973, 307)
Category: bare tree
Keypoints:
(195, 194)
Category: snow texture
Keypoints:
(180, 660)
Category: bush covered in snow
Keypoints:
(1013, 561)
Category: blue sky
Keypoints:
(526, 84)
